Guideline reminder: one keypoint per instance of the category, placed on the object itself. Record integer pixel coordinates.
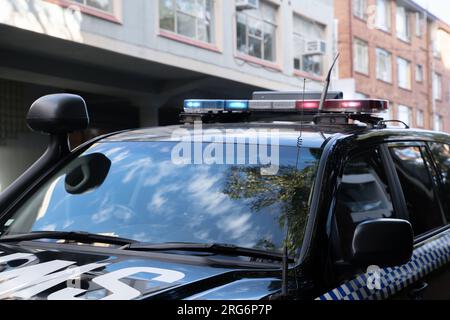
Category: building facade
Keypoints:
(395, 50)
(136, 61)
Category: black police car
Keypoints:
(280, 197)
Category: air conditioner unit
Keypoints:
(247, 4)
(316, 47)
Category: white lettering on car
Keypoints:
(56, 278)
(120, 291)
(19, 278)
(28, 281)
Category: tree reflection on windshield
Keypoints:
(289, 190)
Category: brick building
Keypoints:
(395, 50)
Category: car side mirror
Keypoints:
(58, 114)
(382, 242)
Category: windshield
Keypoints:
(134, 190)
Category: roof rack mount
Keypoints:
(324, 118)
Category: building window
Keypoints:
(361, 56)
(383, 17)
(102, 5)
(448, 93)
(256, 31)
(419, 24)
(404, 73)
(309, 46)
(435, 43)
(405, 114)
(419, 73)
(360, 95)
(359, 9)
(419, 118)
(385, 114)
(438, 123)
(384, 65)
(403, 31)
(190, 18)
(437, 86)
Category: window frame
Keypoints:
(422, 113)
(248, 57)
(410, 113)
(407, 36)
(388, 15)
(115, 16)
(423, 145)
(439, 174)
(356, 42)
(419, 25)
(393, 185)
(396, 192)
(437, 95)
(296, 34)
(385, 54)
(176, 36)
(419, 67)
(439, 119)
(409, 79)
(360, 5)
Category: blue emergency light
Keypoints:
(236, 105)
(204, 105)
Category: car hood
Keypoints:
(64, 272)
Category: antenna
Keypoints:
(285, 266)
(327, 84)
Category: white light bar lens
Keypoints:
(260, 105)
(283, 105)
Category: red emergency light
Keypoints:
(338, 105)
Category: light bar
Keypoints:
(201, 106)
(331, 105)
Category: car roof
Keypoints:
(313, 136)
(288, 133)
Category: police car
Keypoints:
(284, 196)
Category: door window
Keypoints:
(417, 184)
(363, 194)
(441, 154)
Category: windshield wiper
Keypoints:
(80, 236)
(227, 249)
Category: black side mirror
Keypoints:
(87, 173)
(382, 242)
(58, 113)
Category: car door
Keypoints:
(390, 181)
(440, 153)
(365, 192)
(426, 205)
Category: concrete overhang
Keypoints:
(38, 58)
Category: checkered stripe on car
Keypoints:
(425, 259)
